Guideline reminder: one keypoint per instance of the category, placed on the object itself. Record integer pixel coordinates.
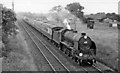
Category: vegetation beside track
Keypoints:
(19, 58)
(14, 50)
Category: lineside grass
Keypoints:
(18, 59)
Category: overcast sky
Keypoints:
(38, 6)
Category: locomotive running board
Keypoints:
(67, 45)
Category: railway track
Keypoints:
(54, 62)
(51, 58)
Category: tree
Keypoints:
(8, 28)
(8, 25)
(118, 18)
(112, 16)
(57, 13)
(76, 9)
(56, 8)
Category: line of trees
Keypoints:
(76, 9)
(113, 16)
(8, 23)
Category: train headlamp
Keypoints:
(80, 54)
(85, 42)
(85, 37)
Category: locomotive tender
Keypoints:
(80, 47)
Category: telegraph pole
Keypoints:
(12, 5)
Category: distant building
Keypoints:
(111, 23)
(114, 24)
(107, 20)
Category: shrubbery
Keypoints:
(8, 28)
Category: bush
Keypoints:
(8, 28)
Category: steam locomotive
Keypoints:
(80, 47)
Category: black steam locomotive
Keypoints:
(79, 47)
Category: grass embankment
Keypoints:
(19, 58)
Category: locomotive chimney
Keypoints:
(83, 33)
